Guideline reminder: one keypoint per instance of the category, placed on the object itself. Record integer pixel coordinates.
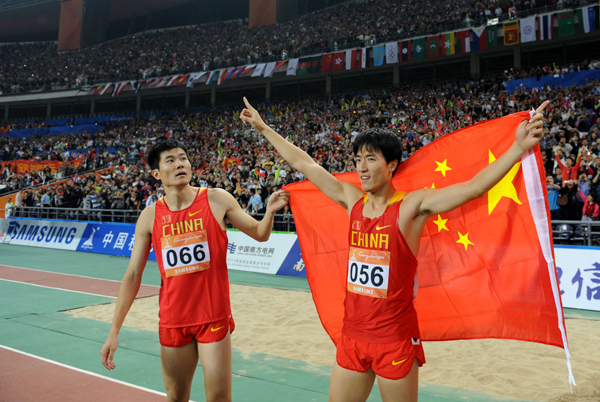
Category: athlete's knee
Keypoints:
(177, 395)
(218, 395)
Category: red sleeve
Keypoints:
(560, 164)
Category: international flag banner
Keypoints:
(119, 88)
(181, 80)
(511, 33)
(479, 38)
(362, 57)
(492, 35)
(433, 46)
(247, 70)
(378, 54)
(270, 68)
(391, 52)
(545, 24)
(463, 41)
(281, 66)
(349, 55)
(172, 81)
(105, 89)
(97, 90)
(338, 61)
(87, 89)
(528, 30)
(566, 23)
(587, 18)
(419, 48)
(153, 82)
(234, 73)
(195, 78)
(326, 62)
(315, 65)
(212, 77)
(448, 44)
(405, 50)
(163, 82)
(292, 67)
(259, 70)
(303, 66)
(486, 269)
(223, 76)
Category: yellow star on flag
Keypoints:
(441, 223)
(504, 188)
(464, 240)
(432, 185)
(442, 167)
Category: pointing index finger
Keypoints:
(248, 105)
(542, 107)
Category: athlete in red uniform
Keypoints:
(380, 336)
(187, 230)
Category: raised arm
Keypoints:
(528, 134)
(130, 284)
(341, 192)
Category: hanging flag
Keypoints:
(405, 50)
(566, 23)
(528, 29)
(587, 17)
(479, 38)
(486, 269)
(212, 77)
(292, 67)
(137, 85)
(105, 89)
(303, 66)
(280, 66)
(419, 48)
(182, 80)
(511, 33)
(338, 61)
(448, 44)
(270, 68)
(98, 89)
(163, 82)
(260, 69)
(362, 57)
(119, 88)
(492, 35)
(247, 70)
(153, 82)
(326, 62)
(171, 81)
(378, 53)
(315, 65)
(391, 52)
(545, 24)
(463, 41)
(195, 78)
(223, 76)
(433, 46)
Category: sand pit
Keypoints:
(285, 323)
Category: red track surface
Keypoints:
(95, 286)
(29, 379)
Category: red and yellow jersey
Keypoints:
(381, 268)
(191, 251)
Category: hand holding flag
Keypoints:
(530, 132)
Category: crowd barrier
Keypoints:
(578, 267)
(280, 255)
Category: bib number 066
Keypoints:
(186, 256)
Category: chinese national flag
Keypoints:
(326, 62)
(486, 269)
(338, 61)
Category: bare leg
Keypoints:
(403, 390)
(215, 359)
(350, 386)
(178, 367)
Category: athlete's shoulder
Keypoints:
(146, 218)
(218, 195)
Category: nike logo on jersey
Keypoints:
(192, 214)
(382, 227)
(215, 329)
(394, 363)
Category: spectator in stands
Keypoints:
(570, 211)
(591, 210)
(8, 208)
(553, 190)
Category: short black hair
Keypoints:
(153, 157)
(380, 140)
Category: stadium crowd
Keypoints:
(226, 154)
(27, 67)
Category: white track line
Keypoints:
(79, 276)
(55, 288)
(85, 371)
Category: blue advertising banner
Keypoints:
(563, 80)
(110, 238)
(293, 265)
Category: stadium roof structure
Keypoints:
(22, 17)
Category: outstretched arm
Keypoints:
(341, 192)
(529, 133)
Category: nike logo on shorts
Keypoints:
(394, 363)
(215, 329)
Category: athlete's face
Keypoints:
(373, 170)
(174, 168)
